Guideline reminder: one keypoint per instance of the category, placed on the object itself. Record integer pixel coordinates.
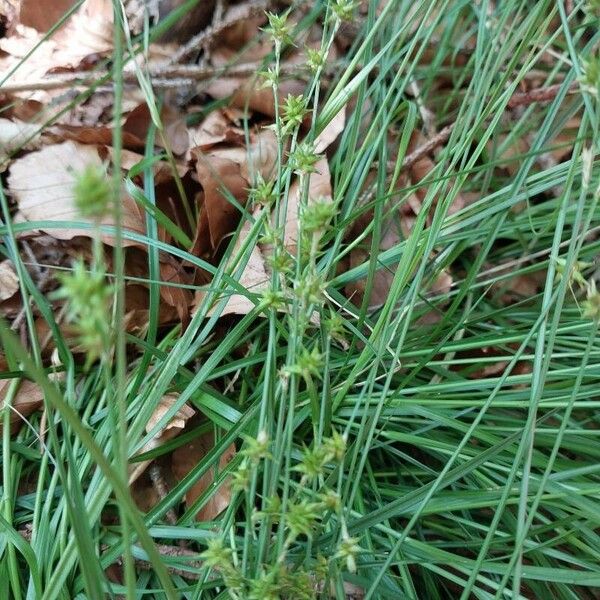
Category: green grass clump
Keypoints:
(443, 444)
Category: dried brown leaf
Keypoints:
(224, 171)
(137, 311)
(43, 15)
(186, 458)
(176, 137)
(215, 129)
(254, 278)
(28, 399)
(42, 185)
(172, 429)
(178, 297)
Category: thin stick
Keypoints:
(163, 76)
(437, 140)
(251, 10)
(542, 94)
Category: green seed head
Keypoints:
(279, 28)
(315, 59)
(304, 158)
(343, 9)
(591, 306)
(590, 79)
(88, 300)
(92, 192)
(294, 110)
(316, 216)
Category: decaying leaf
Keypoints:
(254, 278)
(185, 458)
(215, 129)
(28, 398)
(9, 282)
(179, 298)
(137, 311)
(229, 171)
(42, 185)
(171, 430)
(175, 134)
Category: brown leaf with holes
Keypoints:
(42, 185)
(137, 311)
(176, 296)
(28, 398)
(186, 458)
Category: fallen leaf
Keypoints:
(331, 132)
(254, 278)
(9, 282)
(96, 136)
(175, 131)
(137, 313)
(229, 171)
(179, 298)
(172, 429)
(215, 129)
(43, 15)
(185, 458)
(88, 31)
(42, 185)
(319, 188)
(28, 399)
(220, 178)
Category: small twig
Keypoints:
(207, 35)
(163, 76)
(542, 94)
(158, 481)
(437, 140)
(86, 78)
